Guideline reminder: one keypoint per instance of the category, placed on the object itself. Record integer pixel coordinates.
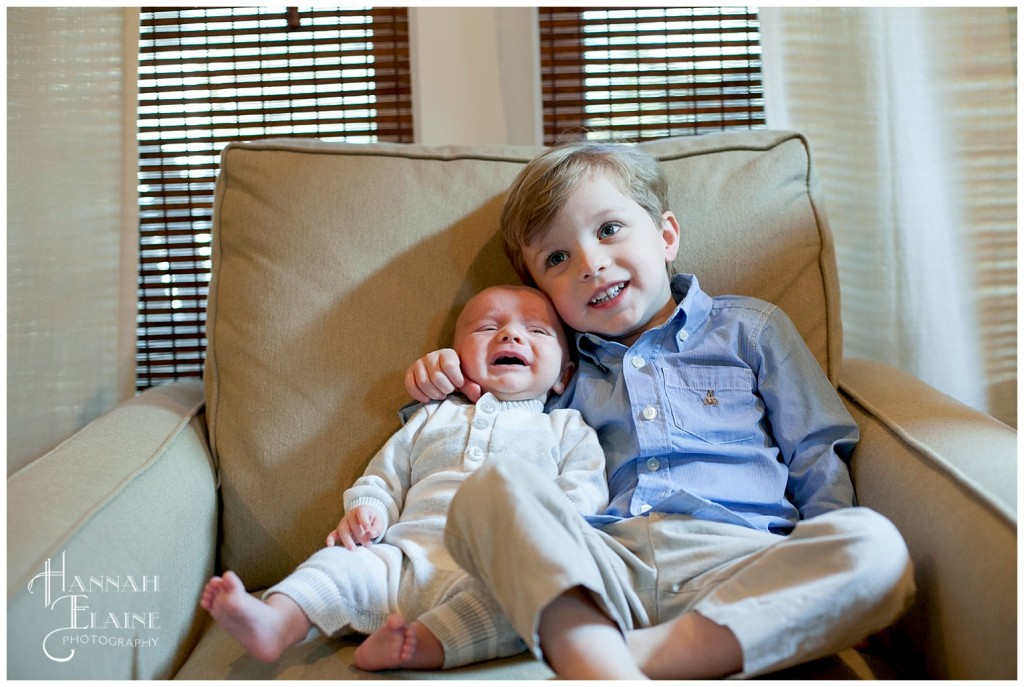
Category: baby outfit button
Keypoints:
(653, 464)
(481, 423)
(488, 406)
(650, 412)
(474, 452)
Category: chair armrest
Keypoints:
(946, 476)
(111, 537)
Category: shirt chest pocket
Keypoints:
(714, 404)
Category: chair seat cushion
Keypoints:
(219, 657)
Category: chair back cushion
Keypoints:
(337, 265)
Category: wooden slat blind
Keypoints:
(632, 73)
(209, 76)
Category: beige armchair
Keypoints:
(334, 267)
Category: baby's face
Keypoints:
(510, 342)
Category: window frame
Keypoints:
(220, 94)
(670, 87)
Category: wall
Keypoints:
(475, 75)
(70, 222)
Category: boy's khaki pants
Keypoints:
(788, 599)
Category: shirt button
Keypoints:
(650, 412)
(637, 361)
(683, 335)
(481, 423)
(644, 508)
(653, 464)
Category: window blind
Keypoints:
(209, 76)
(632, 73)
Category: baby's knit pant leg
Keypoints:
(341, 590)
(471, 627)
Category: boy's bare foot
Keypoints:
(400, 645)
(264, 628)
(580, 642)
(689, 647)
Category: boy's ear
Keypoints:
(670, 235)
(567, 373)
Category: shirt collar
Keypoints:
(694, 303)
(692, 308)
(490, 403)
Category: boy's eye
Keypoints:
(557, 258)
(608, 230)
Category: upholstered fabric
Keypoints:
(133, 495)
(335, 266)
(945, 475)
(218, 656)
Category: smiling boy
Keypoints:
(731, 543)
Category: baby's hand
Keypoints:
(360, 526)
(437, 375)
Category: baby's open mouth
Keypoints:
(509, 360)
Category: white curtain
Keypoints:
(72, 232)
(912, 117)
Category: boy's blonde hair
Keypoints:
(542, 188)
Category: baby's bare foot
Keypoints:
(386, 647)
(256, 625)
(399, 644)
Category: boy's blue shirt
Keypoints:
(721, 413)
